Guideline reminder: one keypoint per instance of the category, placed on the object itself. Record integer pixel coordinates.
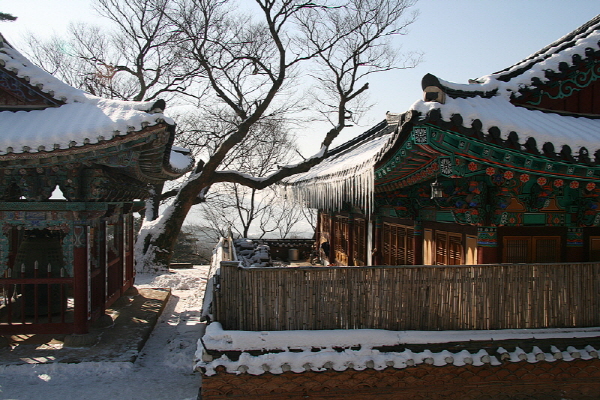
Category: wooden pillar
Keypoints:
(318, 231)
(129, 264)
(14, 247)
(350, 239)
(80, 285)
(574, 251)
(332, 238)
(487, 245)
(377, 244)
(418, 243)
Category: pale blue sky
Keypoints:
(461, 39)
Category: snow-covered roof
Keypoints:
(538, 65)
(300, 351)
(488, 99)
(79, 119)
(497, 111)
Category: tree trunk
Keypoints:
(159, 238)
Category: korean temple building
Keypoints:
(502, 169)
(63, 261)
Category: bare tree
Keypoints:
(240, 207)
(250, 66)
(289, 216)
(254, 213)
(247, 63)
(138, 60)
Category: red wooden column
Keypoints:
(574, 251)
(80, 275)
(487, 245)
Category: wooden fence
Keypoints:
(504, 296)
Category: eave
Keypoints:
(431, 151)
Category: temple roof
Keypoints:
(497, 111)
(487, 108)
(78, 118)
(537, 68)
(49, 127)
(493, 99)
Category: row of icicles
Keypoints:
(329, 193)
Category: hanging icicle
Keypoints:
(345, 176)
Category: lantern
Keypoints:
(437, 190)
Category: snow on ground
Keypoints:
(164, 369)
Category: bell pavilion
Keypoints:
(63, 261)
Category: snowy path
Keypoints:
(162, 371)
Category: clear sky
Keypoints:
(460, 39)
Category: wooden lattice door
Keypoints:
(398, 244)
(449, 249)
(531, 249)
(359, 249)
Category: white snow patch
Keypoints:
(163, 370)
(180, 161)
(216, 338)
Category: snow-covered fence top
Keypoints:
(257, 353)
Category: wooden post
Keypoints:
(318, 229)
(80, 285)
(574, 251)
(418, 243)
(130, 271)
(487, 246)
(377, 244)
(350, 239)
(487, 255)
(332, 238)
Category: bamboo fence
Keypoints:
(472, 297)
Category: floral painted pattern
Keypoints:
(446, 166)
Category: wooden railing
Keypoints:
(36, 305)
(503, 296)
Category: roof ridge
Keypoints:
(358, 139)
(560, 44)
